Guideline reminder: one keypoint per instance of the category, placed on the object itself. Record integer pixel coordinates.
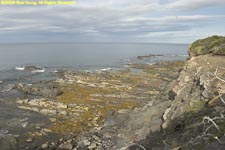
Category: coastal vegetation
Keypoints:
(212, 45)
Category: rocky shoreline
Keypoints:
(167, 105)
(81, 106)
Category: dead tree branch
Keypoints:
(165, 144)
(212, 121)
(221, 98)
(142, 147)
(219, 78)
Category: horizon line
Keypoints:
(88, 43)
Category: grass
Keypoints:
(214, 45)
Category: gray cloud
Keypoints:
(105, 20)
(194, 4)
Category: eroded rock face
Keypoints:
(196, 85)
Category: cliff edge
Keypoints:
(195, 117)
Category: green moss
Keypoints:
(196, 106)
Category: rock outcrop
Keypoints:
(194, 118)
(47, 89)
(200, 82)
(197, 85)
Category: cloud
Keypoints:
(91, 21)
(104, 20)
(194, 4)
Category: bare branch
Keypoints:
(166, 146)
(211, 120)
(219, 118)
(221, 98)
(216, 138)
(207, 129)
(207, 123)
(219, 78)
(195, 141)
(138, 145)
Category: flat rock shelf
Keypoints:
(79, 105)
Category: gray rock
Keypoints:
(66, 146)
(44, 89)
(3, 132)
(61, 105)
(32, 68)
(62, 113)
(92, 146)
(29, 139)
(48, 112)
(122, 111)
(44, 146)
(96, 138)
(53, 119)
(86, 142)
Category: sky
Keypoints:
(144, 21)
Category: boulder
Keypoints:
(66, 146)
(86, 142)
(46, 90)
(48, 112)
(44, 146)
(32, 68)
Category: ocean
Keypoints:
(82, 55)
(51, 57)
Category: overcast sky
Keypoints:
(153, 21)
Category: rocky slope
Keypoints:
(194, 117)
